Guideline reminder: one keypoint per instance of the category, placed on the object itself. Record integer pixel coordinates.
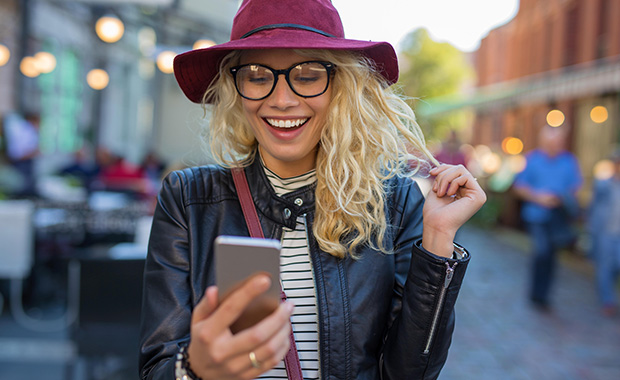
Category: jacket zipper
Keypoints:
(439, 307)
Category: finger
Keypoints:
(232, 307)
(267, 355)
(439, 169)
(444, 179)
(206, 306)
(276, 323)
(445, 172)
(454, 185)
(271, 353)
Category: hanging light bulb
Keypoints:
(46, 62)
(97, 79)
(5, 54)
(555, 118)
(110, 29)
(165, 60)
(28, 67)
(202, 44)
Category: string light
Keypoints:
(97, 79)
(5, 55)
(165, 61)
(599, 114)
(110, 29)
(555, 118)
(28, 67)
(202, 44)
(45, 62)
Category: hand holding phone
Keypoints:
(237, 260)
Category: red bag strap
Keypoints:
(291, 360)
(247, 204)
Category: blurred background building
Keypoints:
(88, 102)
(55, 62)
(556, 62)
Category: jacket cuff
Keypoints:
(459, 253)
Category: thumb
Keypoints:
(206, 306)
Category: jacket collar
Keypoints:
(284, 209)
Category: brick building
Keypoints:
(554, 55)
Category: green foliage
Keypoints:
(434, 70)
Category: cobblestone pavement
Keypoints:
(500, 336)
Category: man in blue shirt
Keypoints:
(548, 187)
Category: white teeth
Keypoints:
(286, 123)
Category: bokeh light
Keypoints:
(5, 55)
(28, 67)
(490, 162)
(203, 44)
(512, 145)
(110, 29)
(147, 38)
(165, 60)
(599, 114)
(97, 79)
(146, 68)
(517, 163)
(604, 169)
(555, 118)
(45, 62)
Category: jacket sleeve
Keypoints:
(166, 303)
(416, 344)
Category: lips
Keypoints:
(286, 124)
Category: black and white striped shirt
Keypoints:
(298, 284)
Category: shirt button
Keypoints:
(287, 213)
(299, 201)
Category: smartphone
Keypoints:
(237, 260)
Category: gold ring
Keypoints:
(253, 360)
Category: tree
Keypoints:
(432, 73)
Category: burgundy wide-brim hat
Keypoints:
(279, 24)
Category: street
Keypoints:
(498, 335)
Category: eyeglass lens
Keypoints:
(306, 79)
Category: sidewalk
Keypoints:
(499, 336)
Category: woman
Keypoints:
(322, 139)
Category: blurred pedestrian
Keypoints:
(451, 152)
(309, 118)
(548, 187)
(84, 168)
(22, 144)
(604, 226)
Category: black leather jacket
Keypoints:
(381, 316)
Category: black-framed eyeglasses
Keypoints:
(307, 79)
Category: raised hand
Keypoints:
(215, 353)
(454, 198)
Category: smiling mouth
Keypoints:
(286, 124)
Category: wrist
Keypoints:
(182, 370)
(440, 244)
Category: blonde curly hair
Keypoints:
(368, 138)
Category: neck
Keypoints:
(286, 169)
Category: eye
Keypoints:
(256, 75)
(306, 74)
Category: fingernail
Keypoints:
(262, 280)
(290, 307)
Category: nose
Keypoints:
(282, 95)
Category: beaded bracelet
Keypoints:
(182, 371)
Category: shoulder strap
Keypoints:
(247, 204)
(291, 360)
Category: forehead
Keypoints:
(274, 58)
